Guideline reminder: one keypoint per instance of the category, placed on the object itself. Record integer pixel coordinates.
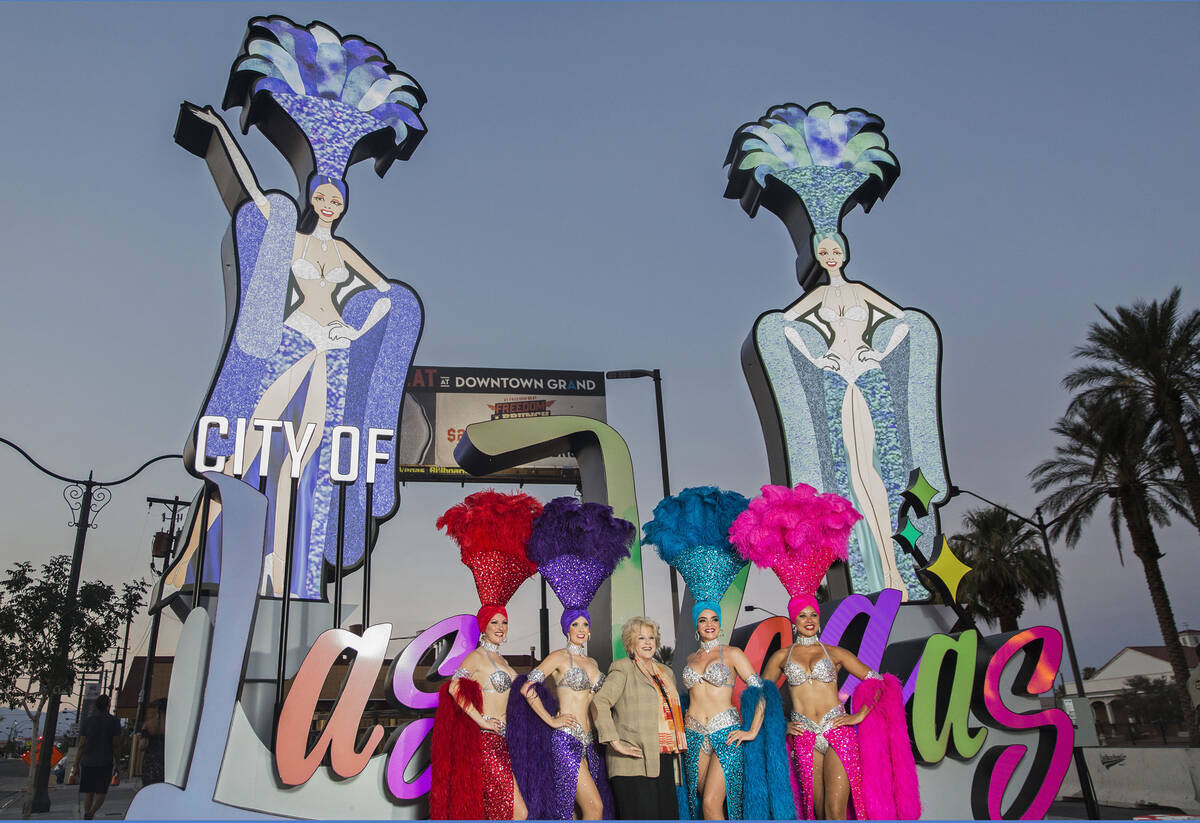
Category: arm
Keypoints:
(202, 132)
(774, 668)
(606, 729)
(538, 675)
(804, 305)
(857, 668)
(361, 267)
(116, 747)
(741, 665)
(469, 710)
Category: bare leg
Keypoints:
(520, 811)
(711, 786)
(587, 796)
(858, 435)
(837, 787)
(270, 407)
(818, 784)
(313, 412)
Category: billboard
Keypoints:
(440, 402)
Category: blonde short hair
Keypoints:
(629, 633)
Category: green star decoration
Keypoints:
(947, 568)
(919, 493)
(908, 536)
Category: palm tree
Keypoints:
(1110, 449)
(1153, 355)
(1007, 563)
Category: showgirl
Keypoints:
(798, 533)
(310, 309)
(558, 765)
(472, 769)
(690, 531)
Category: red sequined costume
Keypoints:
(472, 772)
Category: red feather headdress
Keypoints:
(491, 530)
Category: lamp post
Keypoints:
(656, 376)
(1043, 527)
(85, 498)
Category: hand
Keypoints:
(562, 721)
(737, 737)
(868, 355)
(828, 361)
(796, 728)
(339, 332)
(626, 749)
(116, 778)
(491, 724)
(849, 719)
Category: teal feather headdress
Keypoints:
(690, 531)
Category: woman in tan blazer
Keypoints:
(639, 719)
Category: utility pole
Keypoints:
(176, 505)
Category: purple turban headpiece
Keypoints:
(576, 547)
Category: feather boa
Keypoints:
(768, 775)
(576, 546)
(529, 746)
(491, 530)
(889, 772)
(457, 790)
(796, 533)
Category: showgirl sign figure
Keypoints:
(846, 381)
(319, 341)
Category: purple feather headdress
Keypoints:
(576, 546)
(343, 93)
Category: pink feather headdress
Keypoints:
(796, 533)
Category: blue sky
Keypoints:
(565, 211)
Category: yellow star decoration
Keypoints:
(947, 568)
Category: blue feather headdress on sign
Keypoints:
(690, 532)
(345, 96)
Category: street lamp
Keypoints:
(761, 609)
(85, 498)
(656, 376)
(1043, 527)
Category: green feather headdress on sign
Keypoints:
(810, 167)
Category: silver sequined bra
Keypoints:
(823, 671)
(715, 674)
(819, 729)
(574, 678)
(498, 682)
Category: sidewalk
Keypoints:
(64, 801)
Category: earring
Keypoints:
(697, 635)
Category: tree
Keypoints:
(1149, 700)
(1152, 355)
(31, 612)
(1109, 451)
(1007, 564)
